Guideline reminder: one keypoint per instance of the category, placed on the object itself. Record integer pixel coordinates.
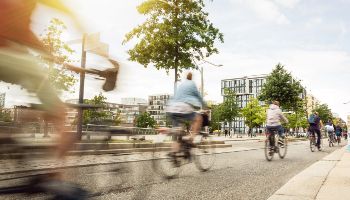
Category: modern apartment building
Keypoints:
(156, 107)
(245, 88)
(311, 103)
(127, 113)
(134, 101)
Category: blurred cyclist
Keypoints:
(18, 66)
(183, 106)
(274, 121)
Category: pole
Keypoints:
(81, 90)
(175, 83)
(202, 82)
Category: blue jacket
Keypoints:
(187, 92)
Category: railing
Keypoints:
(129, 130)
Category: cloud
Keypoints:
(287, 3)
(267, 10)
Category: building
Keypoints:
(311, 103)
(2, 100)
(245, 88)
(126, 113)
(156, 107)
(134, 101)
(348, 123)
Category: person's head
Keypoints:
(277, 103)
(189, 76)
(316, 113)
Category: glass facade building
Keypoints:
(245, 88)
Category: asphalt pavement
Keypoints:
(239, 173)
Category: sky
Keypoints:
(310, 37)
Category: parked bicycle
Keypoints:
(274, 143)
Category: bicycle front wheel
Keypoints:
(282, 146)
(204, 153)
(164, 162)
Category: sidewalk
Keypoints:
(326, 179)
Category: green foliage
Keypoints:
(144, 120)
(176, 34)
(324, 112)
(5, 115)
(254, 114)
(99, 115)
(297, 120)
(61, 78)
(215, 117)
(281, 86)
(229, 108)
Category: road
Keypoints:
(240, 173)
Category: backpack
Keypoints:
(312, 119)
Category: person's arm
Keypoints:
(198, 95)
(283, 118)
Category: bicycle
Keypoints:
(280, 148)
(331, 139)
(106, 178)
(338, 139)
(313, 142)
(168, 164)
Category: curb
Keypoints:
(307, 184)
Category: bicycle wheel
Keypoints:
(268, 152)
(312, 143)
(282, 147)
(164, 162)
(204, 153)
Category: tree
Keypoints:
(324, 112)
(215, 117)
(296, 121)
(99, 115)
(176, 34)
(229, 109)
(60, 77)
(281, 86)
(144, 120)
(254, 114)
(5, 115)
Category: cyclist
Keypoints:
(274, 119)
(338, 132)
(19, 66)
(315, 126)
(330, 130)
(186, 101)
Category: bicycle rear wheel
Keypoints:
(312, 144)
(204, 153)
(282, 152)
(268, 152)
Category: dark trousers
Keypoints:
(318, 132)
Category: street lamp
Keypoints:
(202, 78)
